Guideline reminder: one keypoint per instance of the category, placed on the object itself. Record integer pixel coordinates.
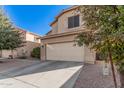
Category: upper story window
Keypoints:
(36, 39)
(73, 21)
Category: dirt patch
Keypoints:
(92, 76)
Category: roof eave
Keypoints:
(61, 13)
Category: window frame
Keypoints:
(73, 24)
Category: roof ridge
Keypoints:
(27, 31)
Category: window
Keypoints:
(36, 39)
(73, 21)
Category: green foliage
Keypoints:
(10, 40)
(36, 52)
(100, 56)
(5, 24)
(10, 37)
(106, 31)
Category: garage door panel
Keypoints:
(65, 52)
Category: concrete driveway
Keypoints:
(54, 74)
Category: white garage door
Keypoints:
(65, 52)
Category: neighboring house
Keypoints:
(58, 44)
(32, 40)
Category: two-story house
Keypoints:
(32, 40)
(58, 44)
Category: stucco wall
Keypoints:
(20, 51)
(62, 23)
(55, 28)
(29, 37)
(90, 55)
(6, 53)
(59, 39)
(32, 37)
(27, 48)
(43, 52)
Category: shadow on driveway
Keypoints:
(55, 68)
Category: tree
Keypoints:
(10, 37)
(106, 25)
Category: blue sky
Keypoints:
(33, 18)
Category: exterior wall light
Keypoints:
(42, 46)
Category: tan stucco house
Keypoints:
(58, 44)
(32, 40)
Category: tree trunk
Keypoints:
(0, 53)
(12, 54)
(113, 70)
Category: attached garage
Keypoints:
(65, 52)
(61, 47)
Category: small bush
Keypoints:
(36, 52)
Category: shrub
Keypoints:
(36, 52)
